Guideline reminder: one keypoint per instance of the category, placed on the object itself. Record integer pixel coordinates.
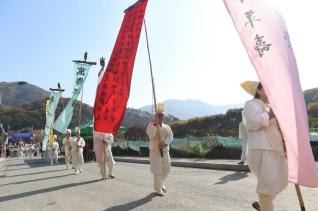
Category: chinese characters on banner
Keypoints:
(80, 73)
(113, 90)
(266, 40)
(54, 99)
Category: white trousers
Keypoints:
(109, 162)
(244, 146)
(159, 167)
(77, 159)
(270, 169)
(67, 157)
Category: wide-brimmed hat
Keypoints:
(160, 108)
(250, 87)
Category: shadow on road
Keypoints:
(40, 172)
(35, 180)
(232, 177)
(16, 169)
(32, 163)
(133, 204)
(45, 190)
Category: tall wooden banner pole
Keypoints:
(153, 85)
(300, 198)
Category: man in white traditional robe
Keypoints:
(103, 153)
(55, 151)
(266, 156)
(160, 161)
(77, 151)
(67, 148)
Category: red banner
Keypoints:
(113, 90)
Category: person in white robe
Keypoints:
(160, 162)
(55, 151)
(266, 156)
(103, 153)
(77, 151)
(67, 148)
(243, 138)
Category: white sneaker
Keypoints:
(81, 170)
(76, 172)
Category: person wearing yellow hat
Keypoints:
(55, 151)
(265, 156)
(77, 151)
(67, 146)
(160, 137)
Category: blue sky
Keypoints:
(196, 52)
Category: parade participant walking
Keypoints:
(103, 153)
(160, 161)
(77, 151)
(243, 138)
(55, 151)
(67, 146)
(266, 157)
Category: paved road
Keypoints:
(33, 185)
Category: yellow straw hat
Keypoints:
(250, 87)
(160, 108)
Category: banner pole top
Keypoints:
(84, 62)
(134, 5)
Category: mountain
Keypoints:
(186, 109)
(134, 117)
(20, 93)
(311, 95)
(23, 106)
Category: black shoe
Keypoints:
(256, 206)
(161, 194)
(241, 163)
(164, 189)
(111, 176)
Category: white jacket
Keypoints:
(262, 132)
(166, 135)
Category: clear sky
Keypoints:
(196, 51)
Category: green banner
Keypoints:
(80, 73)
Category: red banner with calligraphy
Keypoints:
(113, 90)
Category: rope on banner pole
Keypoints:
(153, 84)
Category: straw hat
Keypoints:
(250, 87)
(160, 108)
(77, 130)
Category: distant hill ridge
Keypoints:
(186, 109)
(14, 94)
